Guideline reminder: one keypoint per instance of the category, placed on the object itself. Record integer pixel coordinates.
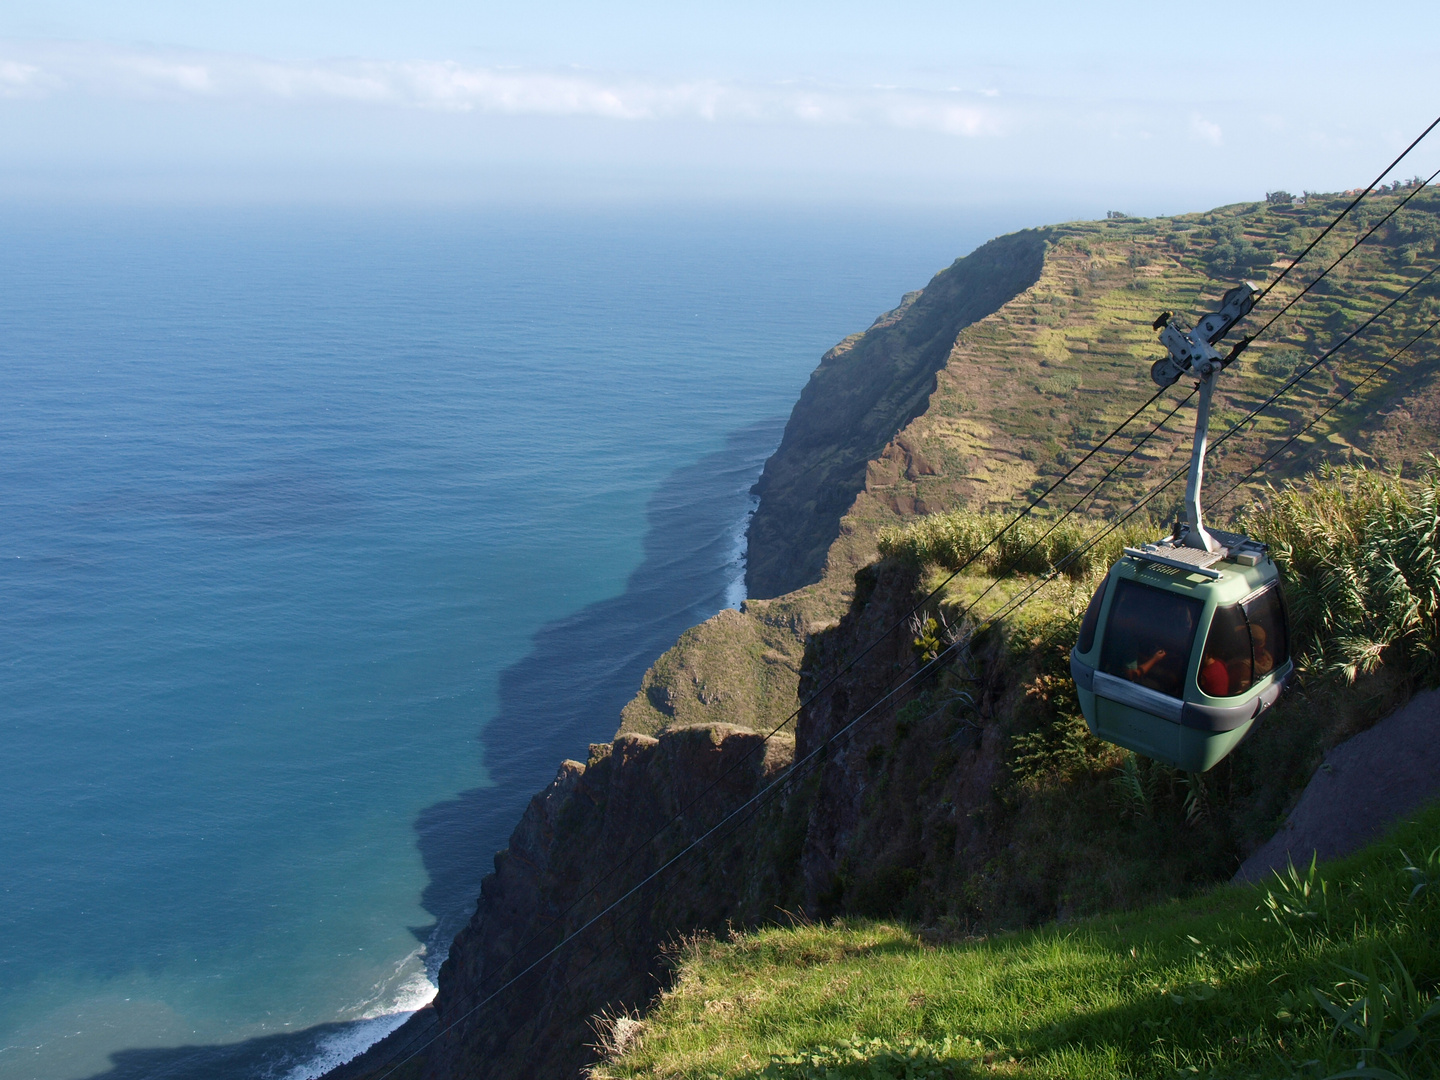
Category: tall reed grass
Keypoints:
(1360, 552)
(953, 539)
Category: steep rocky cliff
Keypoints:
(968, 800)
(768, 859)
(566, 861)
(865, 390)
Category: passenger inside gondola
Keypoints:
(1264, 661)
(1238, 649)
(1268, 633)
(1148, 637)
(1226, 666)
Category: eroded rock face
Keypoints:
(865, 390)
(889, 808)
(566, 861)
(898, 806)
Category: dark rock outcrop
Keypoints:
(580, 847)
(899, 802)
(1363, 786)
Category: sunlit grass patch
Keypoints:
(1313, 974)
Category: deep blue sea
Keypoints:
(324, 536)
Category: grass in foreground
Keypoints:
(1326, 973)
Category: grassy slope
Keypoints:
(1027, 390)
(1075, 826)
(1223, 984)
(736, 668)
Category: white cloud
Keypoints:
(403, 124)
(108, 72)
(20, 80)
(1206, 130)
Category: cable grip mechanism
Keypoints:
(1193, 351)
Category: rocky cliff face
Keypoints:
(899, 802)
(853, 827)
(971, 393)
(865, 390)
(846, 437)
(565, 862)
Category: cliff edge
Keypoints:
(974, 800)
(865, 390)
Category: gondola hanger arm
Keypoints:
(1192, 351)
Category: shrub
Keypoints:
(1279, 363)
(1031, 546)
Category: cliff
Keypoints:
(555, 876)
(1021, 389)
(865, 390)
(974, 800)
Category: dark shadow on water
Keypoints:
(565, 694)
(582, 669)
(267, 1056)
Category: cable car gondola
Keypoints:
(1185, 642)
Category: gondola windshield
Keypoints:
(1149, 637)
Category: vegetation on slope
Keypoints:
(1321, 973)
(1025, 391)
(739, 667)
(1362, 555)
(1031, 546)
(1029, 389)
(1074, 825)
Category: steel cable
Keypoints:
(1324, 413)
(1024, 512)
(1024, 596)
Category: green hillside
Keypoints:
(1325, 973)
(1040, 820)
(1026, 390)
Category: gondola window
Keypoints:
(1227, 667)
(1148, 637)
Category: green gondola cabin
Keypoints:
(1185, 642)
(1190, 655)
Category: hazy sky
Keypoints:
(1140, 106)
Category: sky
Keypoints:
(1144, 107)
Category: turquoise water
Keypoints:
(325, 536)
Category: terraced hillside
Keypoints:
(1029, 389)
(1026, 390)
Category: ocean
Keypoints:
(324, 536)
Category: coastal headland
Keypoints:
(974, 803)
